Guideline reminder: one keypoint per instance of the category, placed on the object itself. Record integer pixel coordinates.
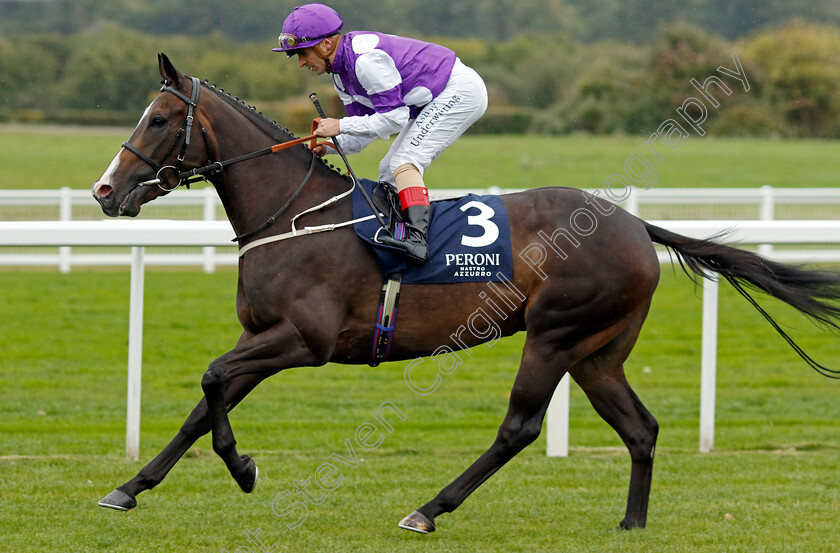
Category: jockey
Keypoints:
(389, 85)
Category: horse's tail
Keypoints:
(815, 293)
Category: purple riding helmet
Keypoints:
(308, 25)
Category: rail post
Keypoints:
(557, 421)
(209, 215)
(708, 363)
(65, 213)
(135, 354)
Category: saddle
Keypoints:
(469, 241)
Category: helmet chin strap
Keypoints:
(326, 53)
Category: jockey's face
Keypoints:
(307, 57)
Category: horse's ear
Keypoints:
(168, 71)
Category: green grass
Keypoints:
(63, 342)
(774, 467)
(50, 157)
(34, 157)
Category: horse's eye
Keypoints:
(157, 122)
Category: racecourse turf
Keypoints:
(769, 485)
(51, 157)
(773, 470)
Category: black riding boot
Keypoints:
(416, 218)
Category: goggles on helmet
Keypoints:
(289, 41)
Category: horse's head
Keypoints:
(167, 141)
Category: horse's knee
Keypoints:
(515, 435)
(214, 377)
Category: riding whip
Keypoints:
(314, 98)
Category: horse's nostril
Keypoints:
(103, 192)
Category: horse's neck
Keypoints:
(253, 191)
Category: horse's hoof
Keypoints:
(629, 525)
(247, 477)
(118, 500)
(417, 522)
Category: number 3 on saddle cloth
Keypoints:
(468, 238)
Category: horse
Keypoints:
(582, 286)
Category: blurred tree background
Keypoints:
(552, 66)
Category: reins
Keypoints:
(194, 175)
(280, 211)
(185, 178)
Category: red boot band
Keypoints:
(415, 195)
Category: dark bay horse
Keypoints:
(582, 286)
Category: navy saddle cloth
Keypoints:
(469, 241)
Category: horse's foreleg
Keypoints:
(261, 355)
(196, 425)
(529, 398)
(241, 467)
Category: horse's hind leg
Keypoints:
(601, 376)
(529, 398)
(196, 425)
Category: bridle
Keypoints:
(168, 174)
(172, 173)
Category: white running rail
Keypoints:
(139, 234)
(760, 203)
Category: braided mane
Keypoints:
(269, 126)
